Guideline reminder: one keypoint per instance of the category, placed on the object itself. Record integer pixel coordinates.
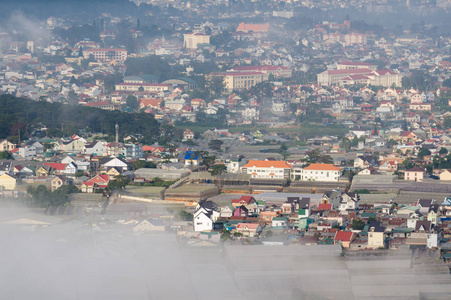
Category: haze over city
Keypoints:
(225, 149)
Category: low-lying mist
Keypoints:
(91, 257)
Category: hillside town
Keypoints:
(279, 125)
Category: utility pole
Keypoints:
(116, 146)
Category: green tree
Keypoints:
(208, 161)
(408, 163)
(217, 85)
(79, 174)
(423, 152)
(226, 235)
(61, 195)
(447, 83)
(139, 164)
(419, 80)
(6, 155)
(183, 215)
(132, 102)
(119, 182)
(283, 151)
(218, 170)
(215, 144)
(357, 224)
(315, 156)
(443, 151)
(447, 122)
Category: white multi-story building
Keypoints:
(250, 113)
(346, 65)
(279, 107)
(267, 169)
(384, 78)
(145, 87)
(105, 55)
(206, 213)
(277, 71)
(317, 172)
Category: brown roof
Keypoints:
(267, 164)
(322, 167)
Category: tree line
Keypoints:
(19, 114)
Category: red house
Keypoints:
(344, 238)
(97, 182)
(244, 200)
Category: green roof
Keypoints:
(368, 215)
(148, 77)
(279, 218)
(209, 233)
(260, 202)
(411, 207)
(447, 255)
(326, 241)
(401, 230)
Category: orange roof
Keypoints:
(322, 167)
(253, 27)
(150, 102)
(267, 164)
(269, 213)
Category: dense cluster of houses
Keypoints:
(331, 218)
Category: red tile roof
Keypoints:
(324, 206)
(348, 71)
(56, 166)
(344, 236)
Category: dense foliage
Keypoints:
(152, 64)
(42, 197)
(60, 119)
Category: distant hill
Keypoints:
(42, 9)
(22, 114)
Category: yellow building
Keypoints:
(6, 146)
(7, 182)
(445, 175)
(192, 40)
(242, 80)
